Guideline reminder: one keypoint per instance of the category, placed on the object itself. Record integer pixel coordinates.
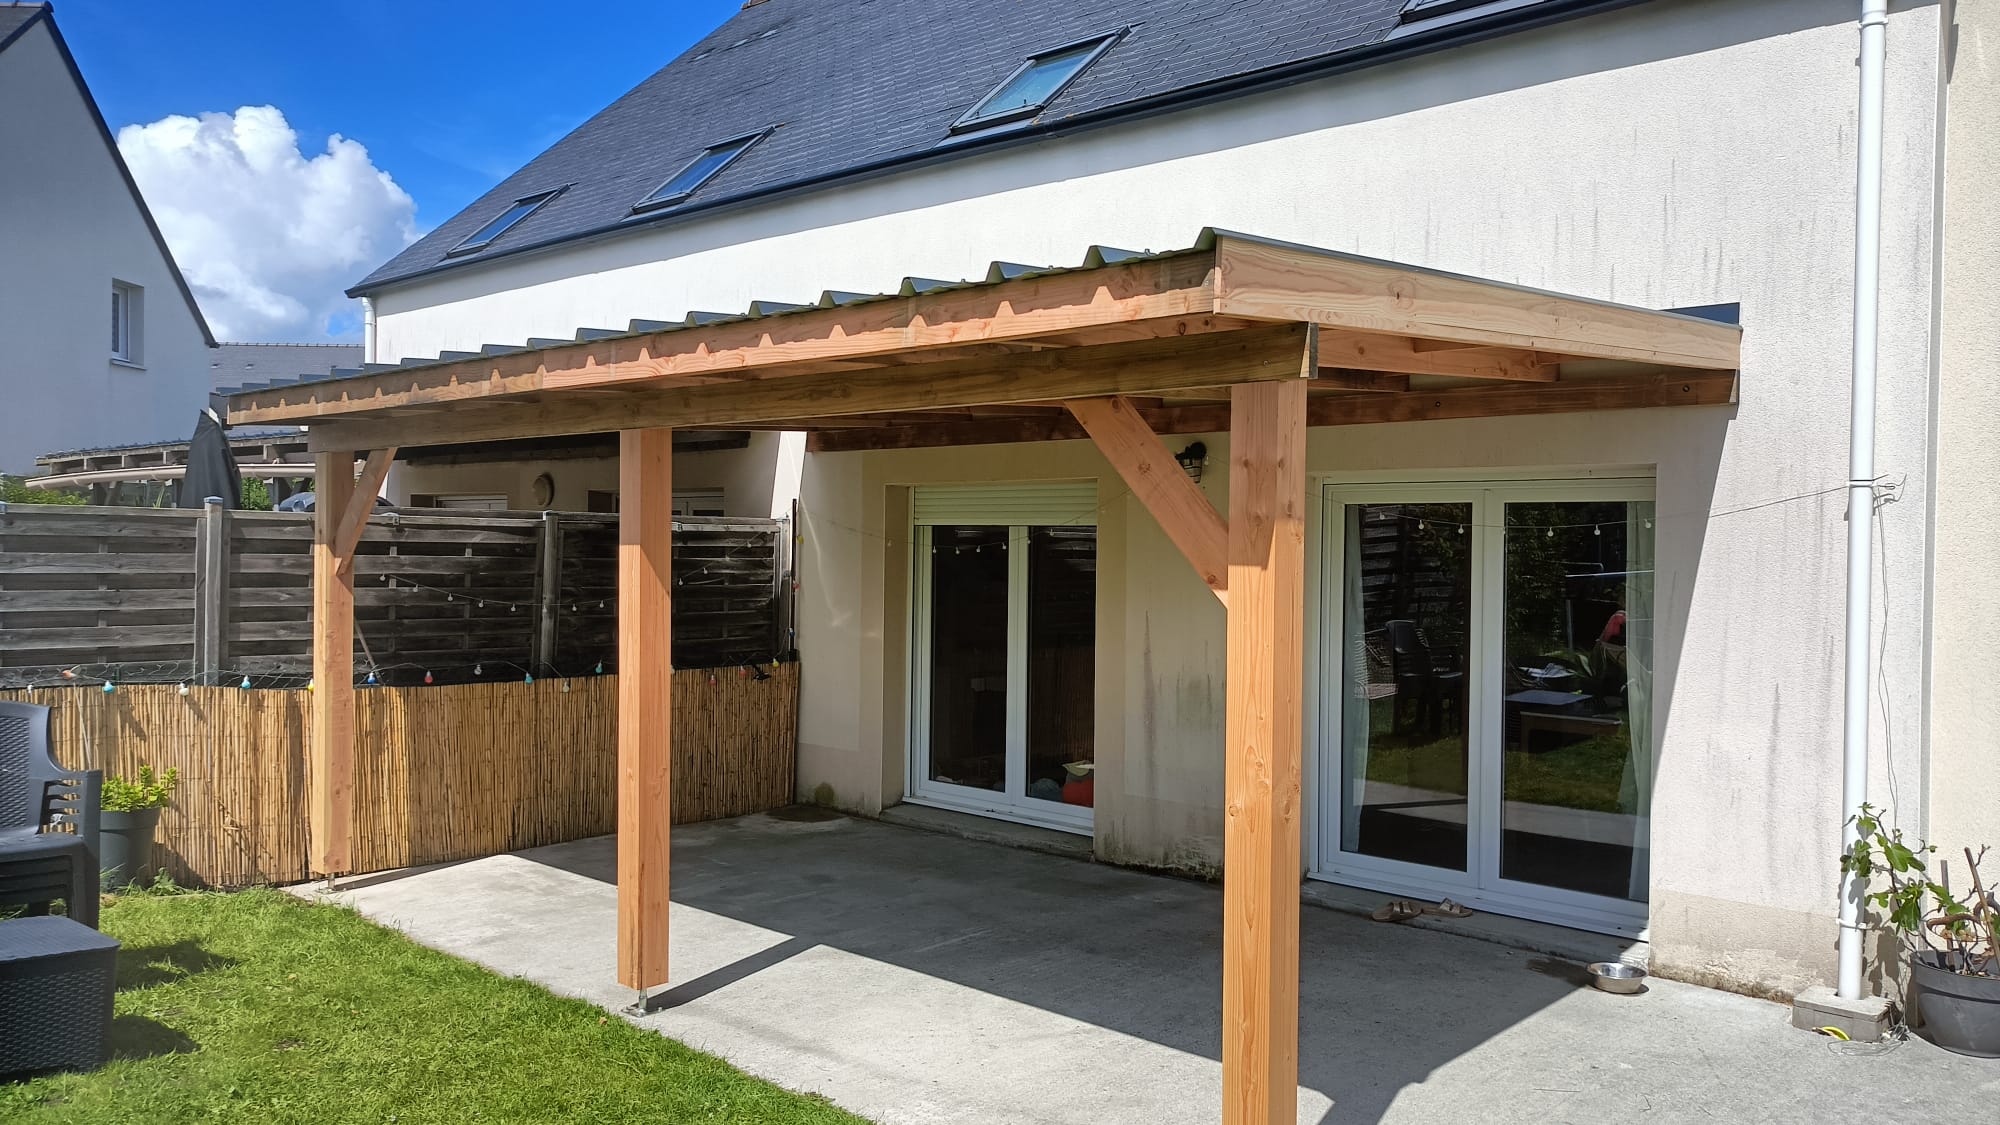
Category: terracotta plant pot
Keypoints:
(1955, 1011)
(125, 846)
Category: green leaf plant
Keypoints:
(1962, 925)
(147, 791)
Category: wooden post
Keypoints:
(1264, 723)
(211, 586)
(548, 593)
(645, 711)
(331, 811)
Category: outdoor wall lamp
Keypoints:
(1192, 459)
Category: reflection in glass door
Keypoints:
(1004, 670)
(1576, 641)
(1487, 705)
(1403, 733)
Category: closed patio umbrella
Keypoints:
(211, 467)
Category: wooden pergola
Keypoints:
(1258, 338)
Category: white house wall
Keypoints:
(1666, 155)
(68, 228)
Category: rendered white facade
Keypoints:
(1665, 155)
(70, 228)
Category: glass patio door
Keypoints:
(1004, 648)
(1487, 696)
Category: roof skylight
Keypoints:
(503, 222)
(697, 172)
(1035, 83)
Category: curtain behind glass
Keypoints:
(1636, 793)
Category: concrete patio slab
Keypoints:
(915, 978)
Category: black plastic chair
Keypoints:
(37, 866)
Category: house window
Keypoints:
(127, 307)
(520, 209)
(1004, 651)
(1034, 84)
(697, 172)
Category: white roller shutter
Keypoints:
(1068, 502)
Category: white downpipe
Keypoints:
(1861, 470)
(368, 330)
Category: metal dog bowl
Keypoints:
(1618, 977)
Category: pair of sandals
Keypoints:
(1403, 909)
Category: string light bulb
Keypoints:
(427, 675)
(479, 669)
(246, 681)
(528, 677)
(109, 687)
(184, 690)
(371, 677)
(600, 668)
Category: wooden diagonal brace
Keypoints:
(1156, 478)
(361, 505)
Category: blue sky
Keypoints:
(448, 97)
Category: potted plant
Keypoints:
(131, 814)
(1953, 936)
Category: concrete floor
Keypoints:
(917, 978)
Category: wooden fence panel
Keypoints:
(442, 773)
(130, 594)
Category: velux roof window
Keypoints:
(503, 222)
(697, 172)
(1035, 83)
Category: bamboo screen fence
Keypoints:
(442, 773)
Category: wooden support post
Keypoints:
(330, 813)
(1264, 723)
(548, 593)
(211, 592)
(645, 711)
(1156, 478)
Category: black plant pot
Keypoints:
(1957, 1012)
(125, 846)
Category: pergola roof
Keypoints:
(995, 359)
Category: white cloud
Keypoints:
(268, 237)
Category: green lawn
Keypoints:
(257, 1007)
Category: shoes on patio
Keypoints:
(1449, 909)
(1397, 910)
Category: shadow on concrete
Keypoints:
(1381, 1006)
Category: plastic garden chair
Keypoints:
(38, 866)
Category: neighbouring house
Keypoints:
(100, 340)
(1571, 601)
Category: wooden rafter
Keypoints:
(1144, 367)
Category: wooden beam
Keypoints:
(1264, 724)
(1345, 379)
(1279, 281)
(330, 810)
(1173, 290)
(361, 505)
(1635, 392)
(645, 711)
(1150, 471)
(1269, 352)
(1369, 351)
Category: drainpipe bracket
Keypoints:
(1865, 1020)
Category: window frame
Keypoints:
(540, 199)
(655, 201)
(972, 119)
(128, 305)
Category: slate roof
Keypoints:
(856, 87)
(236, 364)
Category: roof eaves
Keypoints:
(1259, 81)
(124, 172)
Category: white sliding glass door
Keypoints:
(1004, 648)
(1487, 704)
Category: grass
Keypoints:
(257, 1007)
(1585, 773)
